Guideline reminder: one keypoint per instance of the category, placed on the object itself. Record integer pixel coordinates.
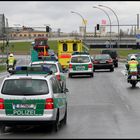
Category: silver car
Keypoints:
(55, 67)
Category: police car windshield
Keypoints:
(80, 59)
(25, 87)
(52, 67)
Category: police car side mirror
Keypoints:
(65, 70)
(66, 90)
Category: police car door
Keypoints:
(59, 98)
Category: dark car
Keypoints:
(103, 61)
(113, 54)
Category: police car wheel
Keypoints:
(70, 75)
(65, 118)
(56, 124)
(91, 75)
(2, 128)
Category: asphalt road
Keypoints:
(104, 106)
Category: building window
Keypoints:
(20, 35)
(25, 35)
(34, 35)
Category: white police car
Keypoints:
(55, 67)
(32, 96)
(80, 64)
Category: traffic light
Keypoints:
(98, 26)
(47, 29)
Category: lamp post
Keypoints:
(83, 22)
(108, 18)
(117, 21)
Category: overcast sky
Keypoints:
(58, 13)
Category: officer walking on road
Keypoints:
(11, 61)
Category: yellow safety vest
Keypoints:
(133, 65)
(11, 60)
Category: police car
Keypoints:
(55, 67)
(80, 64)
(32, 96)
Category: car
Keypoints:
(103, 61)
(80, 64)
(55, 67)
(32, 96)
(114, 55)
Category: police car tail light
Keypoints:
(58, 77)
(89, 65)
(49, 103)
(1, 103)
(70, 66)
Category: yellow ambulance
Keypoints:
(66, 48)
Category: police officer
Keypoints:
(11, 61)
(132, 64)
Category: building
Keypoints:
(27, 33)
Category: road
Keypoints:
(101, 107)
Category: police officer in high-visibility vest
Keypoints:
(132, 65)
(11, 61)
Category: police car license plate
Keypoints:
(80, 68)
(24, 106)
(133, 77)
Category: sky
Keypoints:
(58, 14)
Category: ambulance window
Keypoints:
(74, 47)
(65, 48)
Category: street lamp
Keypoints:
(83, 22)
(108, 18)
(117, 21)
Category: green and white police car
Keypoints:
(32, 96)
(80, 64)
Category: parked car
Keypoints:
(103, 61)
(114, 55)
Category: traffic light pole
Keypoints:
(109, 21)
